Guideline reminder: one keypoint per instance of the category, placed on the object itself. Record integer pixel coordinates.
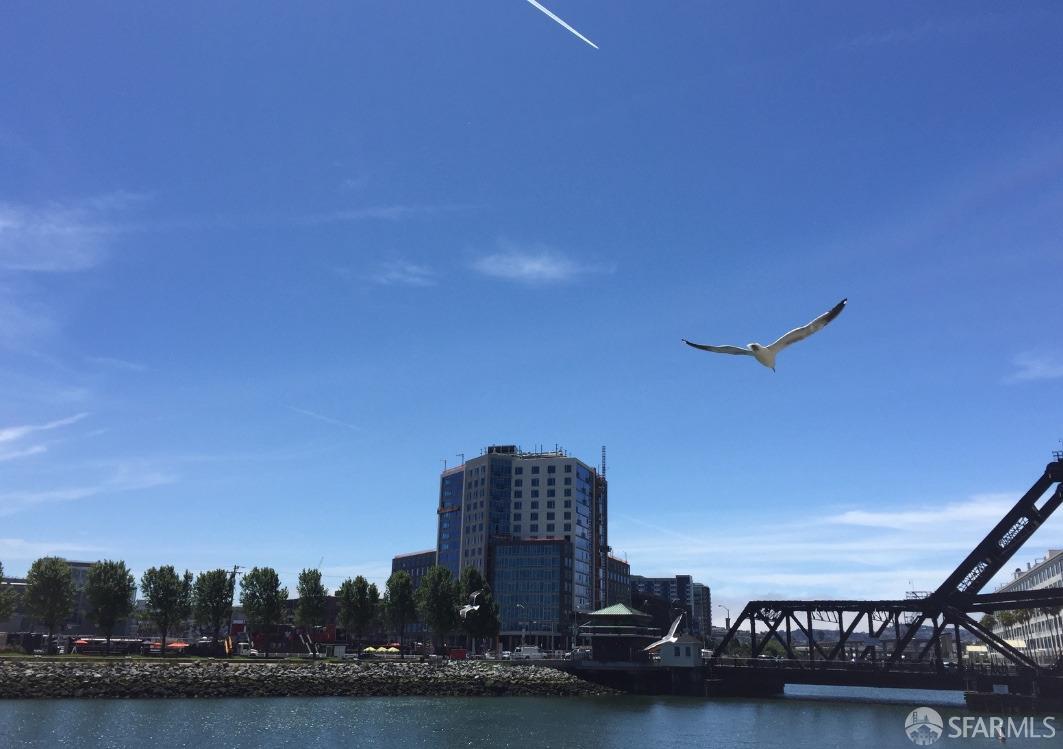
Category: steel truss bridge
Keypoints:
(908, 657)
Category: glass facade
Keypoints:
(533, 587)
(506, 495)
(448, 542)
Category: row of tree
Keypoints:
(171, 599)
(1022, 617)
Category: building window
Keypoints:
(568, 493)
(516, 528)
(551, 469)
(551, 481)
(568, 468)
(550, 505)
(568, 516)
(535, 469)
(568, 481)
(535, 492)
(516, 517)
(533, 528)
(535, 482)
(535, 505)
(516, 505)
(549, 516)
(568, 527)
(550, 528)
(517, 494)
(518, 482)
(518, 470)
(535, 516)
(551, 492)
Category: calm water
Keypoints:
(804, 719)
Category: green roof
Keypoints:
(619, 609)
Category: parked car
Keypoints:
(528, 652)
(506, 655)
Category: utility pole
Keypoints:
(232, 600)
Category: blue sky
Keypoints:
(264, 267)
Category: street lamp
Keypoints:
(728, 614)
(524, 626)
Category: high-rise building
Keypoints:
(448, 537)
(508, 495)
(702, 613)
(683, 590)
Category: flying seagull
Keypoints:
(766, 354)
(547, 12)
(464, 611)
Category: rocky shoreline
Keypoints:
(29, 679)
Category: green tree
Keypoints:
(263, 599)
(50, 593)
(7, 597)
(437, 603)
(310, 612)
(1007, 621)
(399, 602)
(1052, 612)
(110, 590)
(358, 601)
(168, 598)
(988, 621)
(483, 622)
(212, 599)
(1022, 618)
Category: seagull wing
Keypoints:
(720, 349)
(799, 334)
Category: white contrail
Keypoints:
(547, 12)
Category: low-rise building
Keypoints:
(1042, 634)
(416, 564)
(618, 581)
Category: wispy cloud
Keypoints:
(855, 553)
(534, 264)
(379, 213)
(123, 364)
(22, 319)
(22, 549)
(975, 511)
(934, 28)
(1033, 365)
(23, 453)
(59, 237)
(10, 434)
(403, 273)
(326, 419)
(48, 238)
(125, 479)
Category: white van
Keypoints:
(528, 652)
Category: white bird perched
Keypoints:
(471, 606)
(766, 354)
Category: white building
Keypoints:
(1043, 633)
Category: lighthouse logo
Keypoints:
(924, 726)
